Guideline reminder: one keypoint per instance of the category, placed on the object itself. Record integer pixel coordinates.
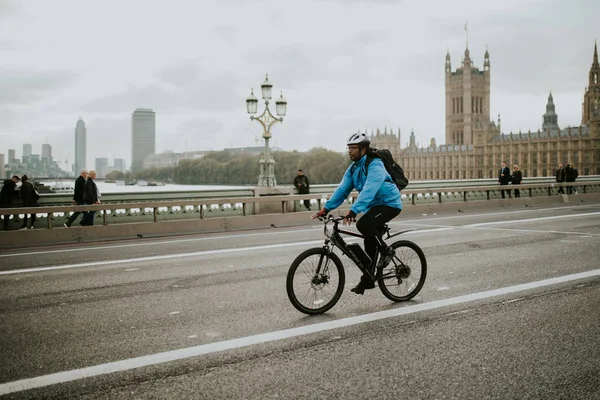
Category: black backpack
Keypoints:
(395, 171)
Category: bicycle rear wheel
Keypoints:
(405, 275)
(315, 281)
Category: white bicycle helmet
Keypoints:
(359, 138)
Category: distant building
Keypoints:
(11, 155)
(46, 150)
(27, 150)
(170, 159)
(80, 147)
(2, 167)
(143, 137)
(119, 165)
(101, 167)
(475, 146)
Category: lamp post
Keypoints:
(266, 119)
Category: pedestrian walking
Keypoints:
(78, 198)
(90, 196)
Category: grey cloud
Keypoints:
(180, 75)
(301, 64)
(188, 90)
(200, 127)
(226, 32)
(24, 87)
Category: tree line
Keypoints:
(227, 168)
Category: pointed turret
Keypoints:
(467, 60)
(595, 62)
(448, 65)
(486, 60)
(550, 118)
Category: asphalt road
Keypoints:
(510, 310)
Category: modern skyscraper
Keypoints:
(11, 155)
(143, 136)
(46, 151)
(101, 167)
(80, 146)
(26, 150)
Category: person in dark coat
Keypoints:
(301, 183)
(570, 176)
(504, 177)
(90, 196)
(30, 199)
(516, 178)
(560, 177)
(78, 198)
(7, 194)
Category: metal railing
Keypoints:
(51, 216)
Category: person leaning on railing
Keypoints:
(516, 179)
(7, 194)
(30, 198)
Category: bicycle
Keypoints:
(316, 278)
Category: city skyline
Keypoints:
(381, 66)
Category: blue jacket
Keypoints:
(375, 189)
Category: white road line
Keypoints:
(162, 257)
(232, 344)
(515, 221)
(154, 243)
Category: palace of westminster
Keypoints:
(475, 146)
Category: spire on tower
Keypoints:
(595, 62)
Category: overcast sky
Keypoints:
(343, 65)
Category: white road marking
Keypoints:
(515, 221)
(232, 344)
(154, 243)
(155, 258)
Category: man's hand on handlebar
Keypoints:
(349, 218)
(322, 213)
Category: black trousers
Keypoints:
(73, 217)
(370, 225)
(502, 191)
(6, 219)
(25, 218)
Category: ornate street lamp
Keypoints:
(266, 119)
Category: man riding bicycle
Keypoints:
(378, 198)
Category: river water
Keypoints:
(105, 187)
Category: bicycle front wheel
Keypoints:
(405, 275)
(315, 281)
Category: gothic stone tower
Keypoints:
(467, 100)
(591, 99)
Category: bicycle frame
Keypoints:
(335, 239)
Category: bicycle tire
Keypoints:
(319, 293)
(406, 273)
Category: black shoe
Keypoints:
(365, 283)
(386, 256)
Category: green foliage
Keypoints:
(226, 168)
